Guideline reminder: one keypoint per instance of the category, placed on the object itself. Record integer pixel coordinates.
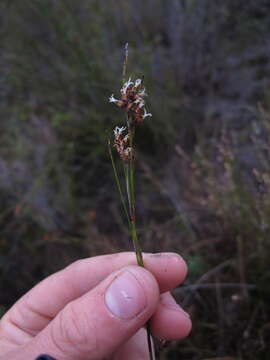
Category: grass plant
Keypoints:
(133, 103)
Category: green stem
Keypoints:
(129, 176)
(118, 184)
(125, 63)
(131, 170)
(136, 244)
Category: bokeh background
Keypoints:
(203, 164)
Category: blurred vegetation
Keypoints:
(204, 158)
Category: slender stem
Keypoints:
(149, 342)
(131, 170)
(129, 176)
(130, 186)
(125, 63)
(118, 184)
(136, 244)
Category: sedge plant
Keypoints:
(132, 102)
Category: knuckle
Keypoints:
(73, 332)
(74, 329)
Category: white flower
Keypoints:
(112, 99)
(142, 93)
(126, 153)
(126, 85)
(118, 131)
(125, 140)
(146, 114)
(141, 103)
(138, 82)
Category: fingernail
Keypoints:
(165, 255)
(125, 297)
(170, 303)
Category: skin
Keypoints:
(66, 315)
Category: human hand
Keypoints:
(96, 308)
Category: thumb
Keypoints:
(95, 325)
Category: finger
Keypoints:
(170, 321)
(40, 305)
(135, 348)
(95, 325)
